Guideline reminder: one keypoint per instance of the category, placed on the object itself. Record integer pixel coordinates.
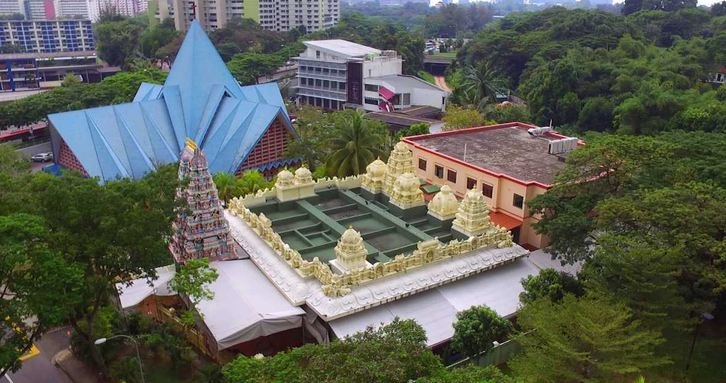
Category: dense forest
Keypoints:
(595, 71)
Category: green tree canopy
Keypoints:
(477, 328)
(549, 284)
(590, 339)
(393, 353)
(459, 118)
(357, 142)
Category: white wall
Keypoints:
(382, 66)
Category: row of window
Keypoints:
(325, 84)
(486, 189)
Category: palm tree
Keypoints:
(227, 185)
(354, 146)
(481, 84)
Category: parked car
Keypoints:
(42, 157)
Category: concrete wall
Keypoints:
(35, 149)
(382, 66)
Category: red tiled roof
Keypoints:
(504, 220)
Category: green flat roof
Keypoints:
(313, 225)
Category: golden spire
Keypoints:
(191, 145)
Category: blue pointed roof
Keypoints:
(200, 100)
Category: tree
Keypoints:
(590, 339)
(37, 285)
(109, 233)
(314, 130)
(413, 130)
(482, 84)
(718, 9)
(227, 186)
(459, 118)
(116, 40)
(11, 163)
(507, 112)
(643, 276)
(549, 284)
(155, 37)
(395, 352)
(230, 186)
(477, 328)
(192, 280)
(357, 143)
(248, 67)
(469, 374)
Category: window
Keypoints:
(439, 171)
(422, 164)
(470, 183)
(518, 201)
(451, 175)
(371, 101)
(372, 87)
(487, 190)
(407, 99)
(317, 54)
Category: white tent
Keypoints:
(132, 294)
(246, 305)
(435, 310)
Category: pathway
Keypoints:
(441, 83)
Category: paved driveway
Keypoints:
(39, 368)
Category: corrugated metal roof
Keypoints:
(200, 100)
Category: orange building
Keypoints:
(509, 163)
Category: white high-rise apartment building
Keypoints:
(121, 7)
(11, 7)
(274, 15)
(72, 9)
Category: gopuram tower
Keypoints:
(200, 230)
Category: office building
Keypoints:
(32, 71)
(335, 74)
(45, 36)
(274, 15)
(509, 164)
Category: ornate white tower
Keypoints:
(472, 218)
(375, 176)
(350, 253)
(444, 205)
(400, 161)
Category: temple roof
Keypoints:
(200, 100)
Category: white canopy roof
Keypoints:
(435, 310)
(140, 289)
(246, 305)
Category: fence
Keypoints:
(497, 356)
(192, 335)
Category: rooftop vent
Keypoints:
(536, 132)
(564, 145)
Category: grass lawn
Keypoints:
(426, 76)
(445, 55)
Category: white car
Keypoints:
(42, 157)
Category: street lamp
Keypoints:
(100, 341)
(705, 317)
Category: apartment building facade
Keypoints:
(337, 74)
(274, 15)
(510, 164)
(45, 36)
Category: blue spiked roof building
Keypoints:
(237, 127)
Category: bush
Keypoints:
(477, 328)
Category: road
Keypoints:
(441, 83)
(40, 368)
